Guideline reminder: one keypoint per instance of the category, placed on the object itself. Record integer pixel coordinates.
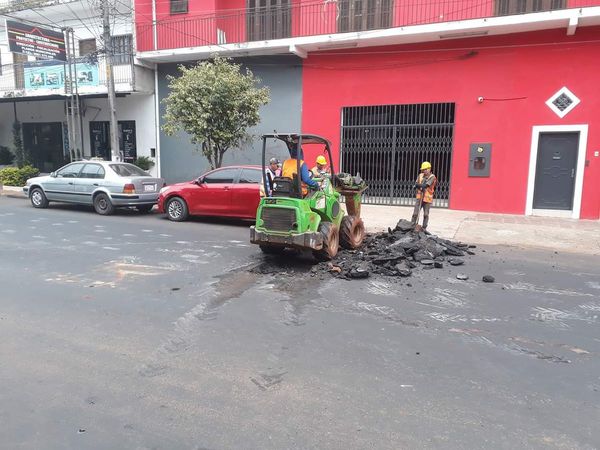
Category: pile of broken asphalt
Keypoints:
(397, 253)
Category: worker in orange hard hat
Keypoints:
(320, 170)
(425, 185)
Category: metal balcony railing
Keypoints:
(326, 17)
(52, 78)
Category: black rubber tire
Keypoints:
(38, 198)
(331, 242)
(177, 209)
(103, 205)
(272, 249)
(352, 232)
(144, 209)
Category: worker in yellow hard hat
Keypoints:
(320, 170)
(425, 186)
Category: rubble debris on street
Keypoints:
(397, 253)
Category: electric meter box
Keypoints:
(480, 156)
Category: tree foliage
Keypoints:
(215, 102)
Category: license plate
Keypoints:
(149, 187)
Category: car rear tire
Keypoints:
(331, 242)
(144, 209)
(103, 205)
(177, 209)
(272, 249)
(38, 198)
(352, 232)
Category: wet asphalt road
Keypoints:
(134, 332)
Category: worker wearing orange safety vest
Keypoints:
(425, 185)
(290, 168)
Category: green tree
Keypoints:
(215, 102)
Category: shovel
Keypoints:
(415, 222)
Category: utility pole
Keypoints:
(74, 119)
(108, 54)
(69, 92)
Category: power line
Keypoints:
(80, 20)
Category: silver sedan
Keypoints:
(103, 184)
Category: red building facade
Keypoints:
(506, 100)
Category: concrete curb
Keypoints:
(12, 191)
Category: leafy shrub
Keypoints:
(144, 163)
(13, 176)
(6, 156)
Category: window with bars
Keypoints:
(122, 49)
(178, 6)
(87, 46)
(386, 144)
(268, 19)
(362, 15)
(508, 7)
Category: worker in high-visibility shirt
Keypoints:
(425, 185)
(320, 170)
(290, 168)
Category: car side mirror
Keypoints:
(53, 174)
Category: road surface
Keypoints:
(130, 331)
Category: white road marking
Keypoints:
(443, 317)
(520, 286)
(593, 284)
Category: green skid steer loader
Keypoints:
(314, 221)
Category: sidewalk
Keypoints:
(569, 235)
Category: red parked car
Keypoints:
(232, 191)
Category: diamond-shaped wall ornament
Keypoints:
(562, 102)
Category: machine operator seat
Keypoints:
(286, 187)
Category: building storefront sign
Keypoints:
(42, 75)
(33, 40)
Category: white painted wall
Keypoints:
(136, 107)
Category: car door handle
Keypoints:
(70, 182)
(226, 188)
(96, 184)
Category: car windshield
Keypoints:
(128, 170)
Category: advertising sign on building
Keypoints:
(35, 41)
(42, 75)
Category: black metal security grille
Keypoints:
(562, 102)
(278, 219)
(386, 145)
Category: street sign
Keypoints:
(35, 41)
